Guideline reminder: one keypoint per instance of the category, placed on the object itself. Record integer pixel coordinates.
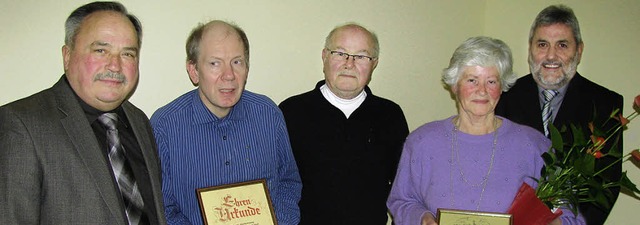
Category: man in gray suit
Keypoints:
(58, 163)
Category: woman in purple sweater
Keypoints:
(474, 160)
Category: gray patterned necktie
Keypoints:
(122, 171)
(547, 111)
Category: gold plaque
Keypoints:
(463, 217)
(245, 203)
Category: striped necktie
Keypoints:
(122, 172)
(547, 111)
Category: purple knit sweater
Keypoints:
(431, 175)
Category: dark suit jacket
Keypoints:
(52, 169)
(521, 104)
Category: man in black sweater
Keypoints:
(346, 141)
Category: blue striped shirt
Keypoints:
(199, 150)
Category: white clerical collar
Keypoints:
(347, 106)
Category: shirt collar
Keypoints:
(202, 115)
(560, 95)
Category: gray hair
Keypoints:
(72, 25)
(194, 39)
(374, 38)
(555, 14)
(485, 52)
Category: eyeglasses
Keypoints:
(361, 59)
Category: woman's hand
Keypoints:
(428, 219)
(557, 221)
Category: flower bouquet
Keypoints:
(569, 175)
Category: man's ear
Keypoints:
(192, 70)
(375, 64)
(66, 55)
(579, 52)
(325, 53)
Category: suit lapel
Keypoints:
(144, 135)
(572, 102)
(140, 129)
(82, 136)
(528, 102)
(533, 109)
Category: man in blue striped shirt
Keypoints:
(221, 133)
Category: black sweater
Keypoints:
(346, 165)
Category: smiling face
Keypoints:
(554, 55)
(347, 78)
(221, 71)
(102, 66)
(478, 91)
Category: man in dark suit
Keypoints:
(57, 159)
(555, 49)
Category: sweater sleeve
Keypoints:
(405, 203)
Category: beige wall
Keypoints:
(417, 38)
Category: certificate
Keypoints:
(462, 217)
(245, 203)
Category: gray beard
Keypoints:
(567, 74)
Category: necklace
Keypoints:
(455, 154)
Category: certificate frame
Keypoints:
(244, 203)
(455, 217)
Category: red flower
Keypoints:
(597, 154)
(623, 120)
(636, 153)
(636, 104)
(598, 143)
(591, 128)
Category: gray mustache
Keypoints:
(110, 75)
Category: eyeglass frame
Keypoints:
(354, 57)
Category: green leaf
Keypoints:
(626, 183)
(601, 200)
(614, 153)
(556, 138)
(543, 174)
(599, 132)
(579, 138)
(585, 164)
(615, 150)
(549, 159)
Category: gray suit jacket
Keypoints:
(52, 169)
